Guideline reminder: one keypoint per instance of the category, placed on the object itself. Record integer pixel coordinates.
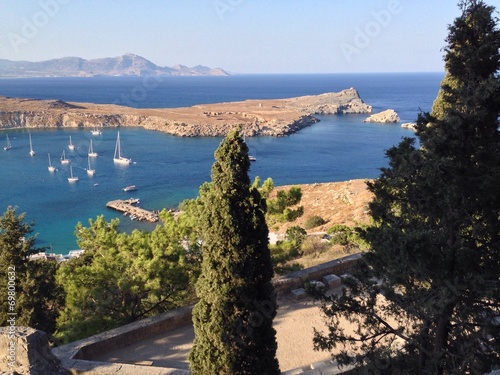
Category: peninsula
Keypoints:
(273, 117)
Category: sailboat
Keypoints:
(96, 131)
(72, 178)
(250, 157)
(71, 146)
(63, 159)
(90, 171)
(92, 154)
(8, 146)
(51, 167)
(118, 158)
(31, 146)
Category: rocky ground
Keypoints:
(336, 202)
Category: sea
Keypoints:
(167, 169)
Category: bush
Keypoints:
(281, 254)
(314, 246)
(296, 235)
(313, 222)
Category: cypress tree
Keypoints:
(435, 245)
(233, 317)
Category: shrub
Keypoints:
(313, 222)
(314, 246)
(296, 234)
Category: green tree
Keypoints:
(425, 298)
(34, 297)
(121, 277)
(233, 317)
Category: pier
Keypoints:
(136, 213)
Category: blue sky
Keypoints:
(241, 36)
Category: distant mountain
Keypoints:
(126, 65)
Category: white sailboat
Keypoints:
(90, 171)
(51, 167)
(71, 146)
(63, 158)
(72, 178)
(8, 146)
(118, 158)
(31, 146)
(92, 153)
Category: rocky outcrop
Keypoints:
(27, 352)
(276, 117)
(332, 103)
(409, 125)
(387, 116)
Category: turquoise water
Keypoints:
(167, 169)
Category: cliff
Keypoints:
(275, 117)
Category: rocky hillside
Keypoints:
(125, 65)
(275, 117)
(344, 202)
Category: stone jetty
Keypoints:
(136, 213)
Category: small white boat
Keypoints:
(252, 158)
(8, 146)
(90, 171)
(130, 188)
(71, 146)
(63, 158)
(51, 167)
(72, 178)
(118, 158)
(92, 153)
(32, 153)
(96, 131)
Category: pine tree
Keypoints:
(425, 299)
(121, 277)
(237, 304)
(31, 295)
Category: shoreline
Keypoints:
(270, 117)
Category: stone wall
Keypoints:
(26, 351)
(294, 280)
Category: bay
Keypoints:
(169, 169)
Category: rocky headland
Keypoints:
(274, 117)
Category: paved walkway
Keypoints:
(294, 325)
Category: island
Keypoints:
(272, 117)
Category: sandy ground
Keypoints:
(294, 325)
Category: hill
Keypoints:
(125, 65)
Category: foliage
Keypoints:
(122, 278)
(282, 253)
(233, 317)
(278, 209)
(313, 245)
(313, 222)
(296, 235)
(34, 297)
(425, 298)
(347, 236)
